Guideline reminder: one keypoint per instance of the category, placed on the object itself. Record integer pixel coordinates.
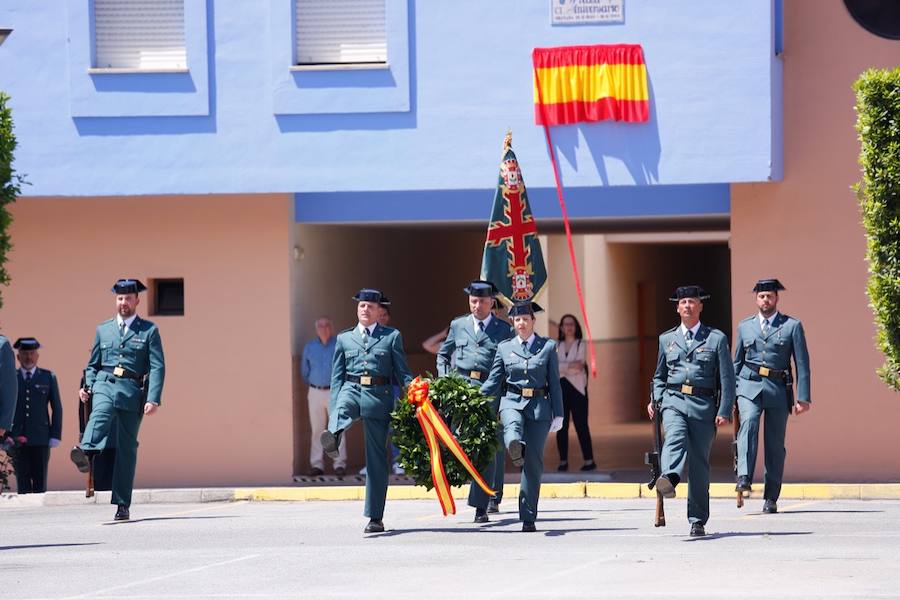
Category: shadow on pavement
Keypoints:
(26, 546)
(729, 534)
(146, 519)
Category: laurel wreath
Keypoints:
(469, 416)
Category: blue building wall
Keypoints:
(460, 74)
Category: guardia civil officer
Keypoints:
(693, 367)
(38, 418)
(124, 377)
(526, 369)
(366, 358)
(9, 387)
(469, 350)
(763, 349)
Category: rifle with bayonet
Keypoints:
(652, 459)
(84, 413)
(736, 419)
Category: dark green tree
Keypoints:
(878, 125)
(10, 184)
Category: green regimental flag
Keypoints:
(512, 259)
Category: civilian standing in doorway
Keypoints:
(573, 381)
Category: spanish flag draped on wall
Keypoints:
(590, 83)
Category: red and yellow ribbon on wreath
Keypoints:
(435, 429)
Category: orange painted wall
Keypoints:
(806, 231)
(226, 412)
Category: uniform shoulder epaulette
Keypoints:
(455, 319)
(750, 318)
(108, 321)
(348, 330)
(669, 330)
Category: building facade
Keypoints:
(271, 161)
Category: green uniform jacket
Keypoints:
(140, 351)
(383, 357)
(784, 339)
(470, 351)
(9, 389)
(706, 363)
(538, 368)
(32, 417)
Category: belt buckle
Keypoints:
(118, 371)
(527, 392)
(764, 371)
(365, 380)
(687, 389)
(475, 375)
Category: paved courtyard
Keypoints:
(584, 548)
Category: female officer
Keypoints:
(527, 368)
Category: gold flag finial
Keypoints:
(507, 140)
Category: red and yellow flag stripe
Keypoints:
(435, 429)
(590, 83)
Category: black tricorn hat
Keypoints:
(27, 343)
(689, 291)
(372, 295)
(768, 285)
(481, 288)
(128, 286)
(524, 308)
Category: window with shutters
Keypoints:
(145, 35)
(340, 32)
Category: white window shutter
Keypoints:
(139, 34)
(341, 32)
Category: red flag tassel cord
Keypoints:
(436, 431)
(565, 216)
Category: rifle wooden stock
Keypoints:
(736, 419)
(660, 511)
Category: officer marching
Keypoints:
(763, 349)
(469, 349)
(366, 358)
(693, 363)
(124, 378)
(526, 367)
(38, 418)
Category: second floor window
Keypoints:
(139, 34)
(340, 32)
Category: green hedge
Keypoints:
(9, 184)
(878, 124)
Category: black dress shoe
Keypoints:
(770, 506)
(122, 513)
(493, 506)
(743, 484)
(80, 458)
(330, 442)
(517, 452)
(589, 466)
(665, 486)
(374, 526)
(481, 516)
(340, 471)
(528, 526)
(316, 472)
(697, 530)
(563, 466)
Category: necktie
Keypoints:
(525, 346)
(122, 329)
(689, 336)
(28, 377)
(481, 325)
(365, 334)
(765, 327)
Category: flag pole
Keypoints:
(565, 216)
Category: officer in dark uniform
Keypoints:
(765, 344)
(693, 362)
(469, 350)
(38, 418)
(124, 377)
(367, 358)
(526, 371)
(9, 387)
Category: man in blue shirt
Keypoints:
(315, 368)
